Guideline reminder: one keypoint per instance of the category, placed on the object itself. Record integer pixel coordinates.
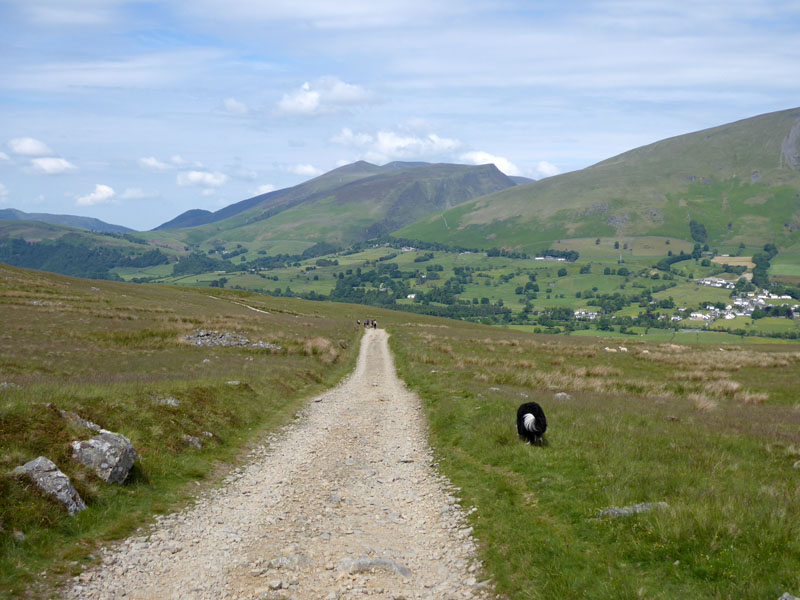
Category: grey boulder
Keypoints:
(49, 478)
(110, 455)
(634, 509)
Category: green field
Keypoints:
(523, 286)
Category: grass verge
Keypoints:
(713, 433)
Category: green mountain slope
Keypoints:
(350, 204)
(282, 197)
(740, 181)
(12, 214)
(74, 251)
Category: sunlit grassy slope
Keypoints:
(739, 180)
(349, 204)
(109, 352)
(712, 433)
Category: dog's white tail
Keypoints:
(529, 422)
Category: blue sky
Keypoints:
(133, 112)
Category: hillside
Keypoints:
(73, 251)
(693, 433)
(12, 214)
(326, 181)
(116, 354)
(741, 181)
(349, 204)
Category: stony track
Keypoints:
(343, 503)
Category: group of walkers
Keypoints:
(368, 323)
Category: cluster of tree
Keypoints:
(327, 262)
(123, 236)
(148, 259)
(384, 285)
(773, 311)
(197, 263)
(398, 242)
(611, 303)
(698, 232)
(789, 290)
(70, 255)
(553, 318)
(505, 253)
(785, 335)
(319, 249)
(762, 260)
(568, 255)
(666, 263)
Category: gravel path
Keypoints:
(344, 503)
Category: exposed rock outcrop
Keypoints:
(49, 478)
(625, 511)
(202, 337)
(76, 419)
(790, 147)
(110, 455)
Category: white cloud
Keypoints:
(545, 169)
(142, 72)
(102, 194)
(484, 158)
(348, 138)
(265, 189)
(78, 13)
(322, 96)
(4, 156)
(29, 147)
(134, 194)
(233, 106)
(176, 161)
(153, 164)
(305, 170)
(52, 166)
(323, 14)
(391, 145)
(204, 178)
(208, 192)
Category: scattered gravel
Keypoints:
(345, 503)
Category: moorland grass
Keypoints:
(712, 433)
(113, 353)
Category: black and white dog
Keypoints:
(531, 422)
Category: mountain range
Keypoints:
(353, 203)
(739, 181)
(12, 214)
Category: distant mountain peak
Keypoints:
(12, 214)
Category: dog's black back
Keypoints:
(536, 427)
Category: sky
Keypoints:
(136, 111)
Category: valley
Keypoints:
(691, 238)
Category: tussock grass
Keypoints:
(746, 397)
(703, 430)
(722, 387)
(323, 348)
(702, 402)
